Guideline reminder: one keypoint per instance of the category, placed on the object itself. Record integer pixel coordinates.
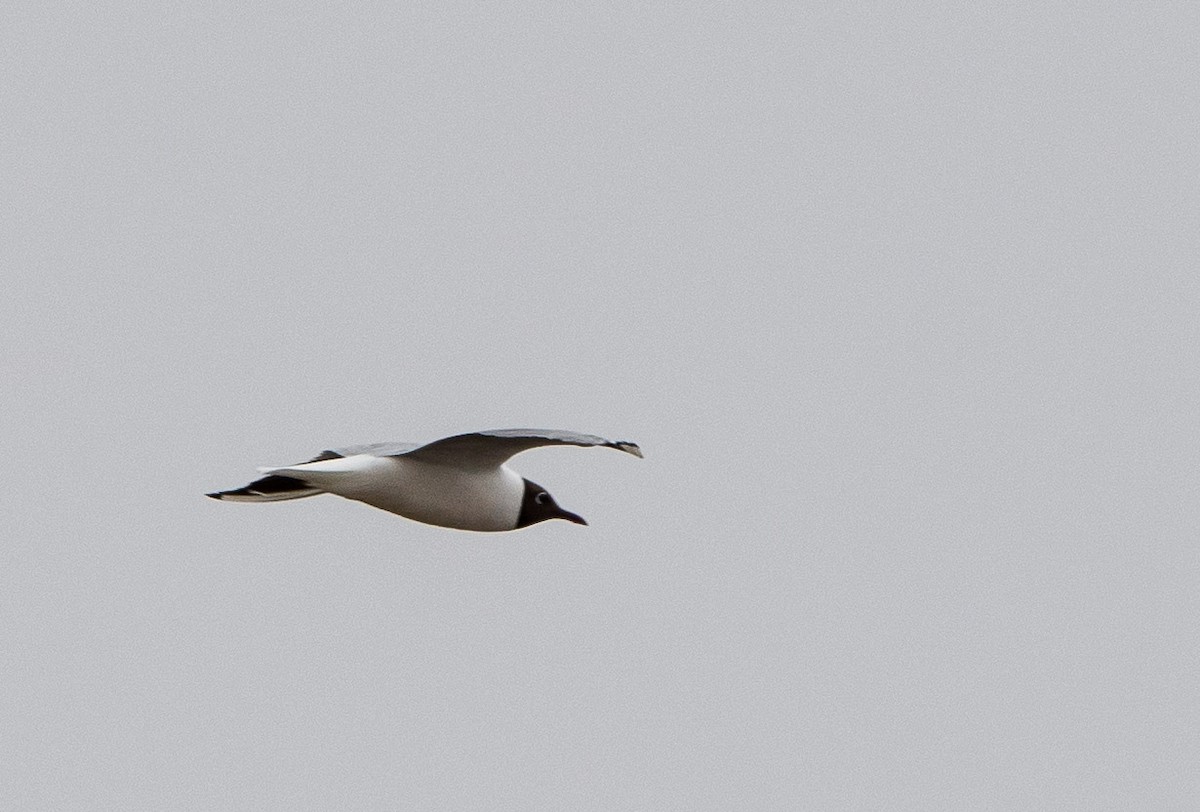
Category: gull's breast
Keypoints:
(488, 500)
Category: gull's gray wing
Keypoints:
(374, 449)
(486, 449)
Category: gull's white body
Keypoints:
(483, 499)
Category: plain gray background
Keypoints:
(900, 300)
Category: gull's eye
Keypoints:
(542, 498)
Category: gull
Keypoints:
(461, 482)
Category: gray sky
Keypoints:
(899, 299)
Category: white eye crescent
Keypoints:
(542, 498)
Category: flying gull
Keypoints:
(461, 482)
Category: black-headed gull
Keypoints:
(460, 482)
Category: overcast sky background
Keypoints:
(899, 299)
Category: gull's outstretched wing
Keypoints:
(489, 449)
(374, 449)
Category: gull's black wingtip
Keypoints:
(213, 495)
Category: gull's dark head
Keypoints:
(538, 506)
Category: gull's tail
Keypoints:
(272, 488)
